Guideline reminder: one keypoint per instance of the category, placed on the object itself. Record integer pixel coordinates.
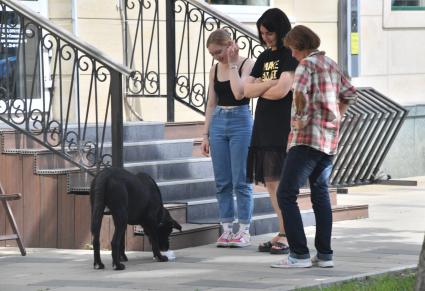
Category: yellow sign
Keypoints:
(354, 43)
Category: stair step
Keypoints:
(146, 151)
(181, 190)
(267, 223)
(178, 169)
(207, 208)
(191, 235)
(192, 130)
(132, 132)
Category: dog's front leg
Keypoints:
(123, 257)
(153, 236)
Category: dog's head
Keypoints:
(165, 228)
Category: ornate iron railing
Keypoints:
(182, 49)
(58, 90)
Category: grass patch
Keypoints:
(403, 281)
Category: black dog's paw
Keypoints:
(123, 258)
(162, 258)
(98, 266)
(118, 267)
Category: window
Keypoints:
(407, 5)
(404, 14)
(240, 2)
(242, 10)
(10, 39)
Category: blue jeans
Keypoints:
(302, 163)
(230, 136)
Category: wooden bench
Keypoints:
(5, 198)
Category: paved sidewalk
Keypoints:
(390, 239)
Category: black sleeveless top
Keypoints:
(224, 92)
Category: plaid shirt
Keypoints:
(319, 79)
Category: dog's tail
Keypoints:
(97, 202)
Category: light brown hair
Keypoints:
(302, 38)
(220, 37)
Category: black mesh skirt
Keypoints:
(265, 164)
(269, 140)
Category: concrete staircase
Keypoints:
(170, 154)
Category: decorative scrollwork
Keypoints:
(67, 52)
(135, 84)
(198, 98)
(182, 87)
(152, 82)
(85, 63)
(36, 117)
(30, 30)
(106, 160)
(129, 4)
(256, 50)
(49, 41)
(102, 73)
(4, 103)
(17, 111)
(195, 14)
(179, 6)
(54, 133)
(211, 23)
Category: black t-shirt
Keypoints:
(270, 64)
(272, 117)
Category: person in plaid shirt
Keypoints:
(321, 96)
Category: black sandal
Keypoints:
(265, 247)
(279, 248)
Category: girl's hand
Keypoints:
(205, 146)
(233, 53)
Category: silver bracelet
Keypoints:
(233, 67)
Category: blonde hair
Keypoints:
(220, 37)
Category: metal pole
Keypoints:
(342, 35)
(117, 119)
(171, 58)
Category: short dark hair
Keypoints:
(302, 38)
(274, 20)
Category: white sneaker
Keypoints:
(240, 240)
(322, 263)
(291, 262)
(223, 240)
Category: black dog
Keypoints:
(131, 199)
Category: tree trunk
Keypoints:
(420, 275)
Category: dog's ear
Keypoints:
(166, 218)
(176, 225)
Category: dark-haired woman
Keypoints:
(271, 79)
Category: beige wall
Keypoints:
(391, 59)
(321, 16)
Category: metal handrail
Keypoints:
(69, 37)
(51, 71)
(225, 18)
